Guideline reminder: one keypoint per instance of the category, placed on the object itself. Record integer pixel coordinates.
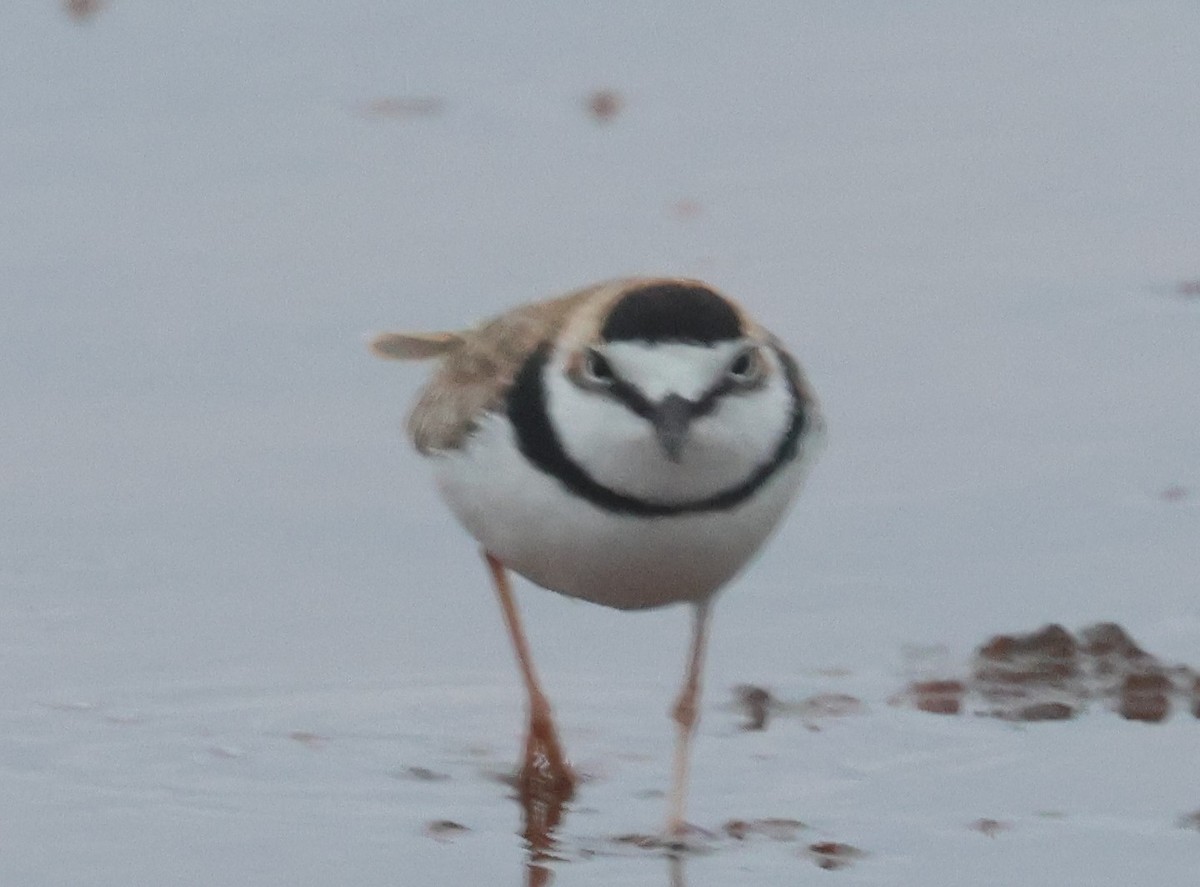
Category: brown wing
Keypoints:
(477, 367)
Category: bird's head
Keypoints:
(667, 392)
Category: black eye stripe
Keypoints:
(633, 398)
(640, 405)
(708, 401)
(538, 441)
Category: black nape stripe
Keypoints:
(676, 312)
(539, 443)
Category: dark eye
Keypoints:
(745, 367)
(596, 367)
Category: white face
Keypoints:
(621, 450)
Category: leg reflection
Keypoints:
(542, 815)
(678, 878)
(543, 801)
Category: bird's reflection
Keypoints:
(543, 802)
(541, 819)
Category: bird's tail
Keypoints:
(415, 346)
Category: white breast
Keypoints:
(561, 542)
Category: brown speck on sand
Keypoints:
(1046, 657)
(1042, 711)
(83, 9)
(1049, 674)
(1053, 675)
(422, 774)
(307, 739)
(686, 208)
(775, 828)
(694, 838)
(938, 697)
(1190, 820)
(604, 105)
(833, 855)
(990, 827)
(1111, 648)
(756, 702)
(738, 829)
(649, 794)
(644, 842)
(444, 829)
(1145, 696)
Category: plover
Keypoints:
(632, 444)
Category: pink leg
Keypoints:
(545, 774)
(686, 714)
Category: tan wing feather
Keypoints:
(414, 346)
(477, 367)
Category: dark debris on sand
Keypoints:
(832, 855)
(990, 827)
(603, 105)
(421, 774)
(698, 840)
(81, 10)
(444, 829)
(1190, 821)
(758, 705)
(773, 827)
(1053, 675)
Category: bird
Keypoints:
(632, 443)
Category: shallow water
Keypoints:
(233, 615)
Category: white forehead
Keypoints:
(671, 367)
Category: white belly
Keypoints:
(557, 540)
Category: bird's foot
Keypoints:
(545, 774)
(545, 783)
